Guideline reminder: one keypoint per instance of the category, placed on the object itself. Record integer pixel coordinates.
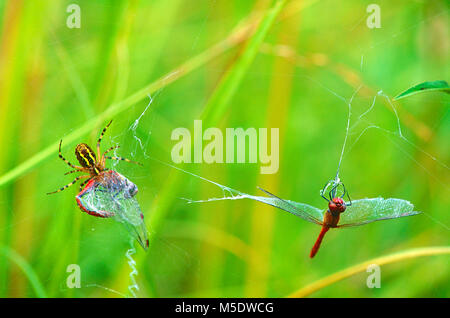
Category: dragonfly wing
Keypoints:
(114, 194)
(305, 211)
(370, 210)
(128, 212)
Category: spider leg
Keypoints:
(110, 149)
(124, 159)
(65, 160)
(83, 183)
(68, 185)
(73, 171)
(100, 138)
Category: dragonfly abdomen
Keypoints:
(330, 220)
(318, 241)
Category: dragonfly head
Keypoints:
(337, 205)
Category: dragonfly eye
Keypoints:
(337, 205)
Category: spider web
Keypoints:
(141, 148)
(137, 146)
(353, 134)
(357, 125)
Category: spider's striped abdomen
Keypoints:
(85, 155)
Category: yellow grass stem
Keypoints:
(383, 260)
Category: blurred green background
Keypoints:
(67, 83)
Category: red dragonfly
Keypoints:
(357, 212)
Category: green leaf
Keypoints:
(229, 84)
(26, 268)
(120, 107)
(425, 87)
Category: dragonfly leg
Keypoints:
(349, 204)
(348, 196)
(345, 191)
(333, 191)
(323, 191)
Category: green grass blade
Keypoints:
(440, 86)
(214, 109)
(219, 101)
(383, 260)
(27, 270)
(75, 80)
(117, 108)
(230, 82)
